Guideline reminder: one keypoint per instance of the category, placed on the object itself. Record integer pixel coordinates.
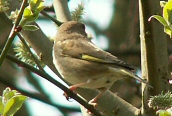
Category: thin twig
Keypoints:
(51, 18)
(39, 97)
(44, 75)
(13, 32)
(27, 47)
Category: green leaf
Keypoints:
(167, 12)
(32, 11)
(34, 4)
(27, 13)
(13, 105)
(40, 7)
(168, 30)
(9, 95)
(33, 17)
(162, 3)
(6, 91)
(10, 102)
(23, 22)
(160, 19)
(163, 113)
(169, 110)
(1, 105)
(170, 17)
(30, 27)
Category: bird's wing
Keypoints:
(86, 50)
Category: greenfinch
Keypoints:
(81, 63)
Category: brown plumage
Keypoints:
(83, 64)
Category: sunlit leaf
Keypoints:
(162, 3)
(33, 17)
(34, 4)
(1, 105)
(30, 27)
(167, 12)
(9, 95)
(160, 19)
(6, 91)
(168, 30)
(27, 13)
(163, 113)
(40, 7)
(13, 105)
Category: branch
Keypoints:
(39, 97)
(13, 32)
(27, 47)
(62, 10)
(44, 75)
(153, 53)
(51, 18)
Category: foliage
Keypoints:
(30, 14)
(166, 20)
(10, 102)
(24, 55)
(4, 5)
(78, 12)
(164, 113)
(162, 102)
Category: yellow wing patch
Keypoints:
(92, 58)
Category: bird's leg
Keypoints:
(73, 87)
(94, 100)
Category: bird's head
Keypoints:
(72, 27)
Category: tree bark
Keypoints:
(153, 53)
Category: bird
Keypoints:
(81, 63)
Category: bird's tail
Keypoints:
(131, 74)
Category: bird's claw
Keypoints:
(67, 97)
(93, 103)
